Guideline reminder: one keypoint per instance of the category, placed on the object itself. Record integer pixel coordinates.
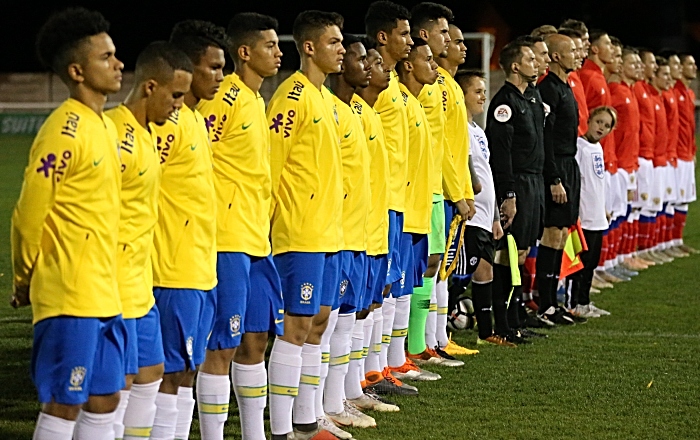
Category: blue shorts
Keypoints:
(394, 268)
(73, 358)
(450, 212)
(376, 268)
(248, 299)
(405, 285)
(186, 320)
(420, 248)
(144, 346)
(353, 281)
(309, 280)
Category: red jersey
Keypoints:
(580, 96)
(686, 121)
(627, 129)
(661, 135)
(671, 106)
(597, 94)
(647, 119)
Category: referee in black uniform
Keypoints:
(561, 175)
(514, 128)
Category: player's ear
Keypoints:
(382, 38)
(407, 65)
(75, 72)
(308, 47)
(243, 53)
(423, 34)
(149, 87)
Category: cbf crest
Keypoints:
(307, 291)
(343, 287)
(598, 165)
(234, 324)
(77, 377)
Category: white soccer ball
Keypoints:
(462, 317)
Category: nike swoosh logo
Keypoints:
(245, 127)
(372, 137)
(279, 321)
(394, 99)
(141, 173)
(418, 124)
(97, 162)
(316, 120)
(430, 93)
(193, 147)
(348, 135)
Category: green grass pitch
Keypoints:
(632, 375)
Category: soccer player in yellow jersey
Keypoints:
(163, 75)
(184, 254)
(307, 229)
(415, 72)
(386, 23)
(456, 178)
(429, 22)
(64, 236)
(249, 297)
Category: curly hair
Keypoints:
(194, 37)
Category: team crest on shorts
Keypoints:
(307, 291)
(343, 287)
(682, 192)
(645, 196)
(473, 261)
(668, 190)
(598, 165)
(235, 325)
(77, 377)
(189, 343)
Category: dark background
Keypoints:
(657, 24)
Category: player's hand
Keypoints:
(558, 193)
(508, 212)
(472, 208)
(462, 209)
(20, 296)
(497, 230)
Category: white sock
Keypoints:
(185, 410)
(431, 321)
(388, 314)
(304, 411)
(213, 396)
(325, 359)
(139, 415)
(353, 387)
(250, 386)
(396, 355)
(283, 372)
(442, 300)
(91, 426)
(165, 418)
(53, 428)
(372, 363)
(334, 392)
(366, 342)
(119, 414)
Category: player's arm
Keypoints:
(36, 199)
(285, 116)
(552, 175)
(499, 133)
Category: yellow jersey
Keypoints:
(139, 212)
(378, 215)
(356, 198)
(65, 224)
(307, 171)
(419, 194)
(184, 255)
(430, 98)
(240, 140)
(457, 182)
(392, 111)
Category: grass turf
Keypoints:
(632, 375)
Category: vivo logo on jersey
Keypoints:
(218, 131)
(598, 165)
(165, 149)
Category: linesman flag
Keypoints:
(575, 244)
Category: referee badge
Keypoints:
(307, 291)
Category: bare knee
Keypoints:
(318, 326)
(65, 412)
(102, 404)
(296, 329)
(218, 361)
(252, 349)
(433, 266)
(171, 382)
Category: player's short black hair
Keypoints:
(529, 40)
(576, 25)
(411, 56)
(424, 13)
(667, 53)
(369, 43)
(464, 77)
(244, 29)
(159, 61)
(543, 31)
(62, 34)
(684, 56)
(383, 15)
(571, 33)
(629, 50)
(643, 51)
(350, 39)
(194, 37)
(511, 53)
(661, 61)
(310, 25)
(616, 41)
(596, 34)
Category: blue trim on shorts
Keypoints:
(376, 281)
(74, 358)
(145, 342)
(330, 294)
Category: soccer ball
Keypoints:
(462, 317)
